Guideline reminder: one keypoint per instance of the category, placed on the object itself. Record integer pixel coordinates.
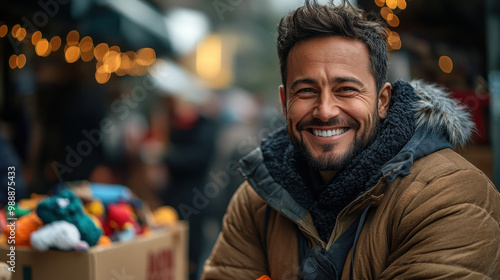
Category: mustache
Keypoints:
(335, 121)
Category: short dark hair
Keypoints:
(316, 20)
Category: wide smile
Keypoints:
(329, 132)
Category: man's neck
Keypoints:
(327, 175)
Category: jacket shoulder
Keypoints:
(444, 163)
(246, 196)
(444, 208)
(444, 184)
(446, 178)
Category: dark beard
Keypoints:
(329, 163)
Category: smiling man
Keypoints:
(333, 107)
(362, 183)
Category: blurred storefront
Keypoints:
(445, 42)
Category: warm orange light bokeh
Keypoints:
(72, 38)
(43, 47)
(145, 56)
(55, 43)
(446, 64)
(100, 50)
(36, 37)
(3, 30)
(13, 61)
(21, 61)
(72, 54)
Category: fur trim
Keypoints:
(437, 110)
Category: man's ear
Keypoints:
(384, 97)
(283, 100)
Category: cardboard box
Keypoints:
(159, 256)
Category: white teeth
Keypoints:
(328, 133)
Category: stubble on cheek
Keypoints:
(290, 132)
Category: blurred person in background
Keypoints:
(242, 120)
(12, 176)
(188, 158)
(65, 113)
(362, 183)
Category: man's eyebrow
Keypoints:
(302, 81)
(339, 80)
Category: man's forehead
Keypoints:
(333, 52)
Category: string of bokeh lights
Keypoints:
(109, 59)
(387, 11)
(387, 8)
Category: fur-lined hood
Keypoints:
(438, 111)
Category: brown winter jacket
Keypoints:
(439, 222)
(442, 221)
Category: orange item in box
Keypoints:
(104, 240)
(24, 226)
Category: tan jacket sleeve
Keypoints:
(449, 229)
(238, 252)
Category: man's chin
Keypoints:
(326, 165)
(324, 157)
(328, 161)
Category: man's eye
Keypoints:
(347, 91)
(306, 91)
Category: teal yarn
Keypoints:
(65, 206)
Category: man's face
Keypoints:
(331, 104)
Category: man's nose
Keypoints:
(326, 107)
